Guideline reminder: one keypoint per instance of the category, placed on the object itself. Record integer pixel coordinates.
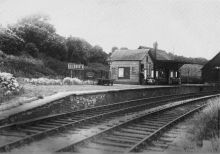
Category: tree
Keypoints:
(38, 33)
(77, 50)
(31, 49)
(39, 20)
(123, 48)
(97, 55)
(10, 43)
(55, 46)
(188, 60)
(35, 29)
(114, 48)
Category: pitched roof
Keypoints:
(137, 54)
(161, 54)
(215, 61)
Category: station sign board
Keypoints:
(73, 66)
(90, 74)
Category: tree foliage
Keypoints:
(10, 43)
(55, 46)
(36, 36)
(78, 50)
(200, 61)
(114, 48)
(97, 55)
(31, 49)
(123, 48)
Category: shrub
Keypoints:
(2, 54)
(43, 81)
(65, 81)
(89, 82)
(205, 126)
(72, 81)
(8, 85)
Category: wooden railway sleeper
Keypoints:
(138, 136)
(139, 128)
(152, 124)
(46, 126)
(147, 126)
(132, 131)
(154, 121)
(125, 137)
(37, 128)
(114, 144)
(119, 139)
(104, 148)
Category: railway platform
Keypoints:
(77, 100)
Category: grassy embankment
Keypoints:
(203, 134)
(25, 66)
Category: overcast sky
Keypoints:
(184, 27)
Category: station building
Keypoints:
(135, 66)
(211, 70)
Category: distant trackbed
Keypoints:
(18, 134)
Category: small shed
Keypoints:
(211, 70)
(126, 65)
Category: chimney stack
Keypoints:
(155, 49)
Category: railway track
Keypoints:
(132, 135)
(17, 134)
(164, 142)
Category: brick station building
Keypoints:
(135, 66)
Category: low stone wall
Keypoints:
(76, 102)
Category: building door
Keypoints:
(217, 76)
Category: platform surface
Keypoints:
(78, 90)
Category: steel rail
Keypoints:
(42, 134)
(125, 103)
(148, 138)
(72, 147)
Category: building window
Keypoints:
(142, 67)
(120, 72)
(124, 72)
(152, 73)
(176, 75)
(157, 74)
(171, 74)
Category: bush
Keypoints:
(46, 81)
(8, 85)
(89, 82)
(205, 126)
(72, 81)
(65, 81)
(2, 54)
(43, 81)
